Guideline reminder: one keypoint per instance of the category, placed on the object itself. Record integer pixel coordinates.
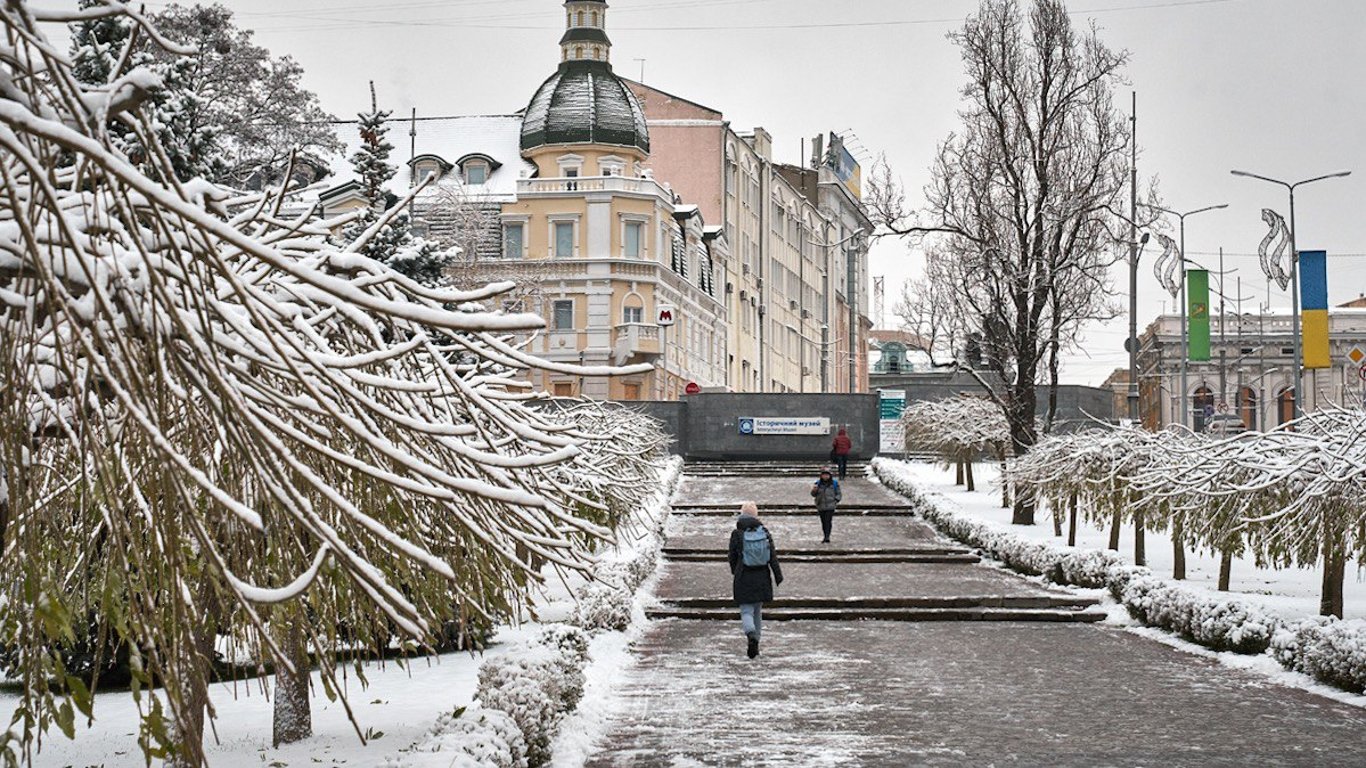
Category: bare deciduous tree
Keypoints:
(1024, 199)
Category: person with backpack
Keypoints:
(752, 560)
(826, 492)
(839, 451)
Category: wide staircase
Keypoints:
(883, 563)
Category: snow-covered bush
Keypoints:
(472, 737)
(537, 685)
(1223, 625)
(603, 606)
(1330, 651)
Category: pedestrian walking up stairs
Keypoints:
(883, 563)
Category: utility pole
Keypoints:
(1133, 261)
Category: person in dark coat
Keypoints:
(752, 585)
(826, 491)
(839, 449)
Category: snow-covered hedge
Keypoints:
(1223, 625)
(1330, 651)
(471, 737)
(537, 685)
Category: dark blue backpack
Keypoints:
(756, 549)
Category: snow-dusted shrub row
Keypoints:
(537, 685)
(471, 737)
(1223, 625)
(1332, 652)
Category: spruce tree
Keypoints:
(98, 49)
(394, 245)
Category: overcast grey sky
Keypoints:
(1271, 86)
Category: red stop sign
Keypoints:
(692, 388)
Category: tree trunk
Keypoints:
(1140, 540)
(1334, 574)
(1114, 531)
(1225, 570)
(194, 691)
(958, 475)
(1023, 437)
(1058, 513)
(1072, 521)
(1178, 550)
(1005, 485)
(292, 716)
(967, 474)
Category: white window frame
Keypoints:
(627, 312)
(552, 221)
(423, 168)
(516, 221)
(611, 165)
(471, 165)
(643, 222)
(570, 163)
(555, 314)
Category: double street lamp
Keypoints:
(1185, 344)
(1294, 273)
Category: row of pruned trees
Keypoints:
(222, 432)
(961, 430)
(1292, 497)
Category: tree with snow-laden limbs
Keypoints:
(1292, 497)
(221, 432)
(959, 429)
(1021, 206)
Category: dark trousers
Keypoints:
(842, 459)
(827, 520)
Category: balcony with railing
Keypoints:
(630, 339)
(574, 185)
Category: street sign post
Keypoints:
(664, 317)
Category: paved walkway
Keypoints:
(1016, 692)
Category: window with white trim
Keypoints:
(514, 240)
(564, 240)
(633, 315)
(563, 315)
(633, 239)
(476, 172)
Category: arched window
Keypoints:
(1247, 408)
(1285, 405)
(580, 18)
(595, 18)
(1202, 407)
(578, 51)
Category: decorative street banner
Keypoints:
(763, 425)
(1197, 294)
(1314, 309)
(892, 432)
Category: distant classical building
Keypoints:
(1251, 372)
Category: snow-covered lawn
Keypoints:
(1290, 593)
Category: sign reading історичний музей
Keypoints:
(777, 425)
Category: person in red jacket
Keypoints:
(840, 449)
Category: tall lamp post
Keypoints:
(1294, 273)
(1135, 250)
(1185, 350)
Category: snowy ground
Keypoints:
(1289, 593)
(395, 709)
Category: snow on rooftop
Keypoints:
(450, 138)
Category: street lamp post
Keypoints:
(1295, 273)
(1135, 250)
(1185, 349)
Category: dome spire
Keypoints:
(585, 37)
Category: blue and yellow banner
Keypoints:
(1314, 309)
(1197, 318)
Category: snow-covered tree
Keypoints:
(254, 103)
(960, 429)
(394, 243)
(219, 430)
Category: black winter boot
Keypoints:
(753, 649)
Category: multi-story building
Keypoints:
(797, 286)
(608, 202)
(1251, 371)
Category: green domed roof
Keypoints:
(584, 103)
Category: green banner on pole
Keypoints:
(1197, 314)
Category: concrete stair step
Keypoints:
(861, 510)
(831, 556)
(832, 550)
(1013, 602)
(1044, 615)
